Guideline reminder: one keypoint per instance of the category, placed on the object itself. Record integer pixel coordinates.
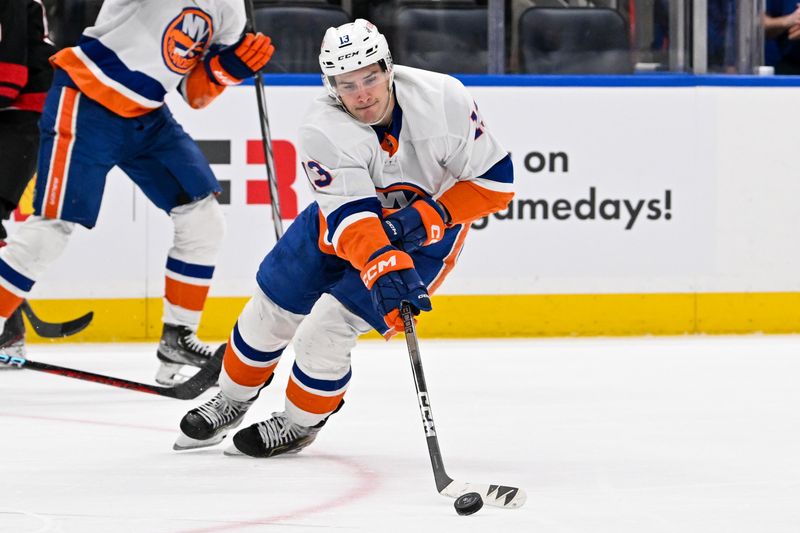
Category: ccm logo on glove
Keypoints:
(386, 262)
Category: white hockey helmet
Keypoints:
(350, 47)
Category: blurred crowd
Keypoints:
(451, 34)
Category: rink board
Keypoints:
(481, 316)
(640, 209)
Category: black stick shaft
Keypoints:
(266, 138)
(188, 390)
(439, 474)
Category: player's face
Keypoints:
(365, 94)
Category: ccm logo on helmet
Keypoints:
(377, 269)
(346, 56)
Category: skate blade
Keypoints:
(171, 374)
(232, 451)
(184, 442)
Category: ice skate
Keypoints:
(179, 346)
(208, 424)
(275, 436)
(12, 340)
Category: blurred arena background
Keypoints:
(650, 198)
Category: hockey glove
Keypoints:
(416, 225)
(231, 64)
(392, 279)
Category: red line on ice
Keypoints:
(367, 482)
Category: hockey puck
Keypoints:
(468, 503)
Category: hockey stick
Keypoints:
(52, 330)
(495, 495)
(266, 144)
(188, 390)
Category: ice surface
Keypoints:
(687, 434)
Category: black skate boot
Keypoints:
(179, 346)
(275, 436)
(12, 340)
(208, 424)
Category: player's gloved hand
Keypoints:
(419, 224)
(392, 279)
(233, 63)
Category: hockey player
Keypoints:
(400, 162)
(105, 109)
(25, 76)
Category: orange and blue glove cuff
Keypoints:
(231, 64)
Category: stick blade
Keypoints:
(54, 330)
(495, 495)
(205, 378)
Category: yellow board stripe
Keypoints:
(132, 320)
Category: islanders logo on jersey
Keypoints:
(398, 195)
(185, 39)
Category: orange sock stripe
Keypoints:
(59, 167)
(311, 403)
(8, 302)
(191, 297)
(243, 374)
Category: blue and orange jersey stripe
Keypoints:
(355, 230)
(467, 201)
(492, 191)
(103, 77)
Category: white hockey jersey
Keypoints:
(138, 50)
(437, 146)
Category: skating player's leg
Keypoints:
(175, 176)
(291, 280)
(317, 384)
(80, 143)
(199, 230)
(261, 333)
(36, 244)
